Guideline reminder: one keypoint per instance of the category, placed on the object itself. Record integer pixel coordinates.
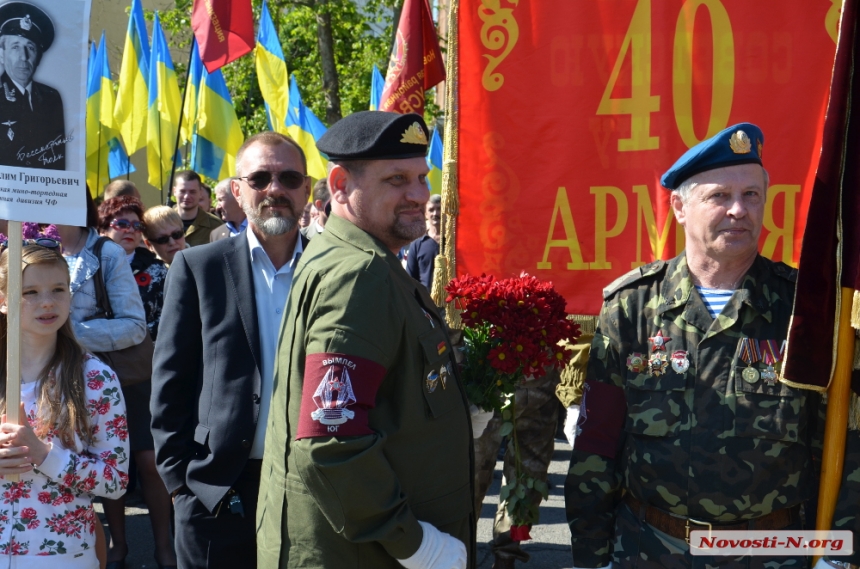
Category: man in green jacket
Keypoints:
(368, 460)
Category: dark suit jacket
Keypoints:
(219, 233)
(205, 381)
(34, 138)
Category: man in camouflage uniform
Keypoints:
(685, 421)
(536, 420)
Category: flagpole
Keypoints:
(181, 113)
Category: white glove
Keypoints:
(437, 551)
(570, 423)
(822, 564)
(480, 420)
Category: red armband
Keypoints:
(337, 392)
(601, 418)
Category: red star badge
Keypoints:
(658, 342)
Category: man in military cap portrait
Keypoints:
(368, 461)
(32, 127)
(686, 423)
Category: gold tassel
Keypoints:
(855, 311)
(446, 262)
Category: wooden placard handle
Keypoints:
(13, 331)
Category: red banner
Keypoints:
(416, 63)
(224, 30)
(571, 111)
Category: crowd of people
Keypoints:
(305, 407)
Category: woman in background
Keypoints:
(120, 220)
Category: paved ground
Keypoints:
(550, 548)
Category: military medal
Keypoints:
(771, 358)
(637, 363)
(658, 363)
(430, 318)
(750, 354)
(658, 342)
(432, 381)
(10, 134)
(443, 375)
(680, 361)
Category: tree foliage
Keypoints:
(361, 30)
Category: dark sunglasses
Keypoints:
(45, 242)
(176, 236)
(124, 224)
(290, 179)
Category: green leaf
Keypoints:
(506, 415)
(542, 487)
(521, 491)
(507, 429)
(504, 493)
(530, 482)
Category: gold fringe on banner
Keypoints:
(855, 311)
(446, 262)
(854, 406)
(587, 324)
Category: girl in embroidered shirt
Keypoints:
(72, 443)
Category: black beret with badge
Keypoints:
(375, 135)
(28, 21)
(739, 144)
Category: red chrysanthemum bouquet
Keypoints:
(512, 331)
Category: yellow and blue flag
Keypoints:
(272, 72)
(92, 62)
(305, 128)
(377, 83)
(192, 94)
(106, 158)
(163, 111)
(133, 95)
(218, 135)
(435, 161)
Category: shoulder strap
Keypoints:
(102, 299)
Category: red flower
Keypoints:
(95, 384)
(28, 513)
(143, 279)
(520, 533)
(45, 497)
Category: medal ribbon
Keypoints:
(772, 354)
(750, 351)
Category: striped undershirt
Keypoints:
(714, 298)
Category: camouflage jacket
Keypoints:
(698, 440)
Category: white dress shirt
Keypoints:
(271, 289)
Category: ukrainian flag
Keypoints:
(106, 157)
(305, 128)
(272, 72)
(435, 161)
(192, 94)
(218, 136)
(132, 99)
(163, 112)
(377, 83)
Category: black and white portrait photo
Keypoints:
(33, 128)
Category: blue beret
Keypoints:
(375, 135)
(26, 20)
(738, 144)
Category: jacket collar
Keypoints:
(237, 265)
(679, 291)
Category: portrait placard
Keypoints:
(43, 73)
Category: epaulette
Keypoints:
(784, 271)
(629, 278)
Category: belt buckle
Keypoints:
(697, 522)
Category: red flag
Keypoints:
(416, 63)
(224, 30)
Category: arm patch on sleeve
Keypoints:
(338, 391)
(601, 419)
